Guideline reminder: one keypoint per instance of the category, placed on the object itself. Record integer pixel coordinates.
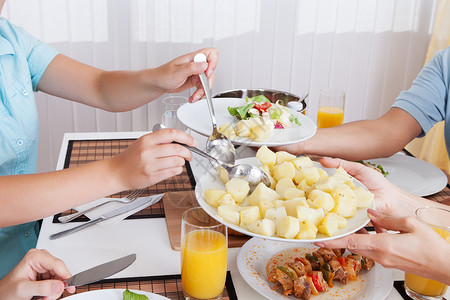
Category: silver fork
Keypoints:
(127, 199)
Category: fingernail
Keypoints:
(318, 244)
(202, 66)
(372, 213)
(196, 98)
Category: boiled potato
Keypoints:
(227, 199)
(266, 156)
(262, 192)
(363, 196)
(229, 213)
(293, 192)
(265, 205)
(346, 202)
(276, 214)
(313, 215)
(278, 203)
(284, 170)
(223, 174)
(262, 132)
(303, 162)
(343, 177)
(212, 196)
(329, 225)
(228, 130)
(311, 175)
(283, 184)
(308, 231)
(249, 214)
(288, 227)
(264, 227)
(298, 177)
(242, 128)
(238, 188)
(266, 169)
(323, 174)
(283, 156)
(291, 205)
(305, 187)
(342, 222)
(321, 199)
(327, 185)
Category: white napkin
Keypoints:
(109, 207)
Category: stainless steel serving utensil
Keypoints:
(253, 175)
(218, 145)
(101, 271)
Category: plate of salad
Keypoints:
(253, 121)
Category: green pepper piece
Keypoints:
(311, 258)
(289, 273)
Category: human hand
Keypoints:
(182, 73)
(153, 158)
(417, 249)
(37, 274)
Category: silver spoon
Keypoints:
(217, 145)
(253, 175)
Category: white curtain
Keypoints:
(372, 49)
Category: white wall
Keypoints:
(372, 49)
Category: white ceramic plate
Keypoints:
(196, 117)
(412, 175)
(210, 180)
(256, 253)
(112, 294)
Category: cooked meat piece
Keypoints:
(367, 263)
(357, 262)
(338, 270)
(349, 268)
(285, 280)
(298, 267)
(307, 264)
(319, 257)
(338, 251)
(302, 288)
(327, 254)
(322, 285)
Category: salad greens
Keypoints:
(260, 107)
(379, 168)
(129, 295)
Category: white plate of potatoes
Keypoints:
(305, 203)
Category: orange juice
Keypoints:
(329, 116)
(203, 263)
(425, 286)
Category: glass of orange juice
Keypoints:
(423, 288)
(204, 244)
(331, 108)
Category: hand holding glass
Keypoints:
(423, 288)
(331, 108)
(204, 245)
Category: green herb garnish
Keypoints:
(378, 167)
(241, 112)
(294, 119)
(128, 295)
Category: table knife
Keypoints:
(121, 210)
(101, 271)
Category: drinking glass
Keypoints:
(423, 288)
(170, 119)
(331, 108)
(204, 243)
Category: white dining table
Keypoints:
(148, 238)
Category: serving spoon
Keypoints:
(252, 174)
(217, 145)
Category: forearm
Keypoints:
(31, 197)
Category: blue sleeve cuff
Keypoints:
(416, 113)
(38, 60)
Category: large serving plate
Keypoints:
(196, 117)
(413, 175)
(256, 253)
(210, 180)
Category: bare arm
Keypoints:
(125, 90)
(362, 139)
(150, 159)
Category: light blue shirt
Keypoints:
(427, 99)
(23, 60)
